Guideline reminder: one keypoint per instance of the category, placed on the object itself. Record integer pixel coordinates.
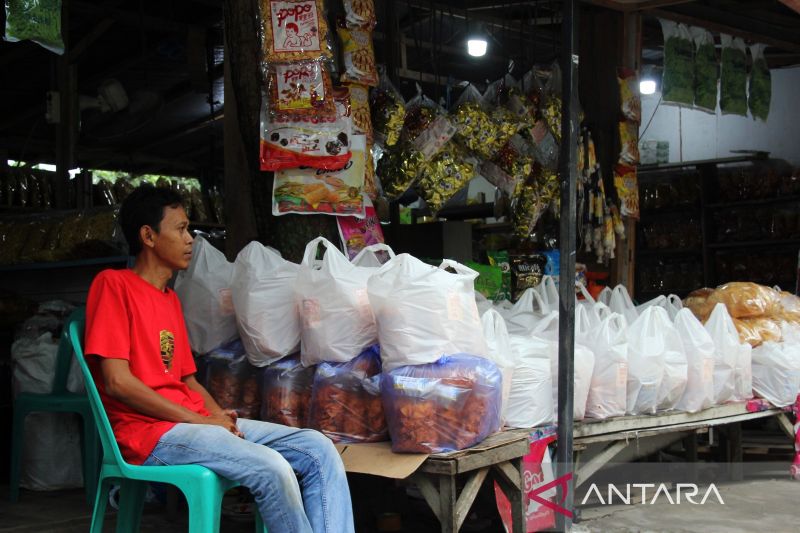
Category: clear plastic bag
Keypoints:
(232, 381)
(358, 56)
(300, 90)
(678, 79)
(286, 392)
(733, 76)
(35, 20)
(760, 85)
(293, 30)
(451, 404)
(706, 70)
(388, 112)
(346, 401)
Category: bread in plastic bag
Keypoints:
(286, 392)
(346, 399)
(232, 381)
(205, 293)
(697, 302)
(263, 297)
(451, 404)
(745, 299)
(756, 330)
(424, 312)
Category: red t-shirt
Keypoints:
(128, 318)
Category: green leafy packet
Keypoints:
(489, 281)
(706, 70)
(678, 80)
(35, 20)
(733, 76)
(499, 259)
(760, 84)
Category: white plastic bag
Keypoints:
(424, 312)
(776, 372)
(205, 293)
(548, 290)
(743, 373)
(263, 297)
(331, 295)
(646, 347)
(528, 311)
(676, 366)
(699, 348)
(620, 302)
(494, 329)
(608, 389)
(726, 355)
(530, 401)
(605, 296)
(373, 256)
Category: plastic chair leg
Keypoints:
(131, 502)
(17, 437)
(260, 527)
(205, 507)
(100, 503)
(91, 456)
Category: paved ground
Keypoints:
(764, 505)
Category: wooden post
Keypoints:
(67, 130)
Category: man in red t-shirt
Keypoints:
(141, 361)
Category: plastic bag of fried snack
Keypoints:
(286, 392)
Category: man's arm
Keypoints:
(121, 385)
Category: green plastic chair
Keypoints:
(202, 487)
(59, 400)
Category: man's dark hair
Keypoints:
(145, 207)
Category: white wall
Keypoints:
(695, 135)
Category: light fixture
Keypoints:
(477, 41)
(647, 86)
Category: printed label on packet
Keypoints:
(454, 309)
(225, 302)
(622, 375)
(362, 303)
(299, 86)
(311, 313)
(295, 26)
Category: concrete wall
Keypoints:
(694, 135)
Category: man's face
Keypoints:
(173, 242)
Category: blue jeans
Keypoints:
(295, 475)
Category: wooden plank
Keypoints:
(468, 494)
(596, 463)
(429, 492)
(447, 504)
(508, 472)
(513, 491)
(492, 441)
(589, 427)
(786, 425)
(466, 463)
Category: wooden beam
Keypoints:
(792, 4)
(704, 22)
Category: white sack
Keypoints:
(530, 401)
(620, 302)
(776, 372)
(424, 312)
(528, 311)
(205, 293)
(331, 296)
(263, 297)
(497, 340)
(608, 389)
(646, 347)
(699, 348)
(726, 353)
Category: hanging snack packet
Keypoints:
(35, 20)
(443, 176)
(294, 30)
(300, 90)
(420, 112)
(370, 185)
(388, 112)
(531, 199)
(359, 110)
(358, 233)
(706, 70)
(477, 129)
(358, 56)
(398, 169)
(629, 141)
(678, 80)
(310, 191)
(627, 185)
(360, 14)
(733, 76)
(313, 142)
(760, 84)
(629, 94)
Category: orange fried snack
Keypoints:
(286, 392)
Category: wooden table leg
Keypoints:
(510, 478)
(735, 454)
(447, 503)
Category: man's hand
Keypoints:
(224, 419)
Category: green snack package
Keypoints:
(760, 84)
(500, 260)
(678, 80)
(706, 70)
(733, 76)
(35, 20)
(490, 280)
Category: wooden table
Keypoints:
(499, 457)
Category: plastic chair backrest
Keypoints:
(63, 364)
(73, 330)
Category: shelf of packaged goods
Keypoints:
(755, 202)
(688, 164)
(752, 244)
(77, 263)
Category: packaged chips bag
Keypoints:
(346, 399)
(358, 56)
(451, 404)
(294, 30)
(286, 392)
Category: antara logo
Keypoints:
(688, 491)
(296, 11)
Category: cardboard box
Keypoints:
(377, 458)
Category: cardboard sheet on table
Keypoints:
(377, 458)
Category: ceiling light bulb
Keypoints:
(647, 86)
(476, 47)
